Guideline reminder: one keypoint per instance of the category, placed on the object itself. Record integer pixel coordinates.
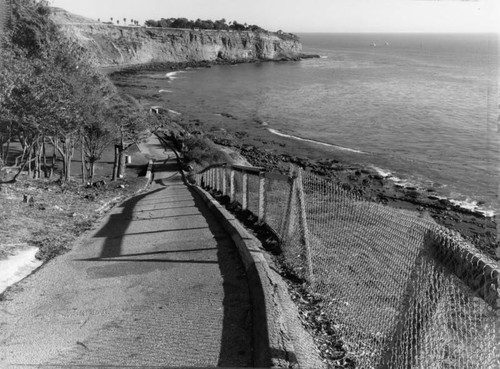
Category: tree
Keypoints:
(130, 126)
(96, 136)
(125, 21)
(151, 23)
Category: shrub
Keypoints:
(202, 152)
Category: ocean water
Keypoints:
(421, 109)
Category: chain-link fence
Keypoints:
(5, 14)
(402, 291)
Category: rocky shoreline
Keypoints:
(272, 152)
(481, 231)
(174, 66)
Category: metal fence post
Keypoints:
(262, 197)
(305, 229)
(244, 204)
(231, 185)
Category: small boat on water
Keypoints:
(374, 45)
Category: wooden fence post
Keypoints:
(231, 185)
(217, 179)
(286, 219)
(262, 197)
(305, 229)
(224, 181)
(244, 204)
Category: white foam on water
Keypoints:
(472, 205)
(323, 57)
(467, 204)
(173, 75)
(384, 173)
(18, 266)
(160, 91)
(173, 112)
(278, 133)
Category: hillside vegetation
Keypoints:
(55, 105)
(52, 95)
(202, 24)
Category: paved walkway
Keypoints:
(159, 283)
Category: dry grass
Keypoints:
(58, 213)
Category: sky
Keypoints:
(426, 16)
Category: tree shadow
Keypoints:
(115, 228)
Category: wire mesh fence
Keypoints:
(5, 13)
(401, 291)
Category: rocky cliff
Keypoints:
(119, 45)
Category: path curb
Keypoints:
(279, 338)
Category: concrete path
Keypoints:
(159, 283)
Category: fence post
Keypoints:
(224, 181)
(262, 197)
(305, 229)
(244, 204)
(286, 219)
(291, 209)
(217, 179)
(231, 185)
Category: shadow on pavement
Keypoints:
(236, 338)
(117, 225)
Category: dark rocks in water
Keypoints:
(227, 115)
(413, 194)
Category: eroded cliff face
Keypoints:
(114, 45)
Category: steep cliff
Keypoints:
(119, 45)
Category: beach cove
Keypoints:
(237, 106)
